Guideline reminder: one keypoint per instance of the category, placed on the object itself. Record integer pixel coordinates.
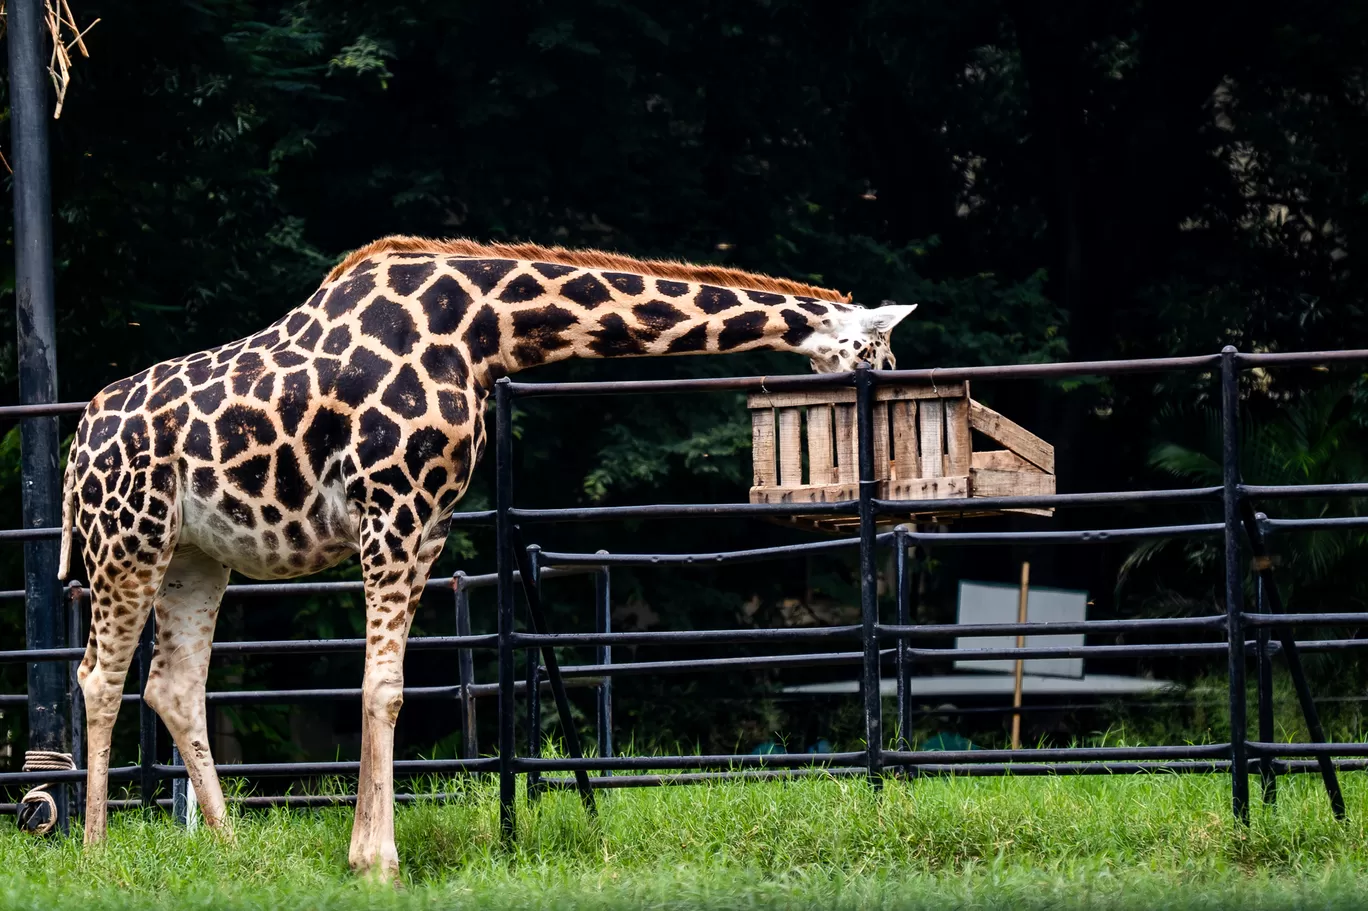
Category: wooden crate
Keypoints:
(806, 451)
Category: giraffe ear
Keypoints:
(884, 318)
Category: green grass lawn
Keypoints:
(1120, 842)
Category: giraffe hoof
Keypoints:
(224, 832)
(378, 863)
(379, 870)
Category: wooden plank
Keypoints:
(881, 466)
(1012, 435)
(989, 483)
(827, 493)
(790, 447)
(905, 460)
(944, 488)
(958, 447)
(932, 437)
(800, 398)
(762, 447)
(821, 465)
(845, 394)
(1000, 460)
(912, 393)
(847, 452)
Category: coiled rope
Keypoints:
(43, 761)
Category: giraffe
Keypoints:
(351, 426)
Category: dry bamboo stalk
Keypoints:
(59, 16)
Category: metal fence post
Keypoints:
(1234, 584)
(503, 470)
(539, 626)
(470, 747)
(533, 658)
(1267, 764)
(869, 581)
(147, 719)
(603, 623)
(182, 795)
(1287, 637)
(37, 348)
(76, 596)
(903, 589)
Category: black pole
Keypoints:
(1234, 584)
(534, 779)
(531, 583)
(869, 582)
(76, 598)
(903, 588)
(603, 623)
(1267, 764)
(470, 747)
(553, 673)
(503, 470)
(180, 791)
(1287, 637)
(36, 318)
(147, 719)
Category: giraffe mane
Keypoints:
(589, 259)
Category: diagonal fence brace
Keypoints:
(553, 674)
(1287, 636)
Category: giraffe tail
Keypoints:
(68, 511)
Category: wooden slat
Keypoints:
(928, 488)
(762, 447)
(827, 493)
(790, 447)
(1000, 460)
(847, 462)
(957, 442)
(990, 483)
(1012, 435)
(820, 462)
(905, 460)
(846, 394)
(909, 393)
(932, 440)
(881, 457)
(800, 398)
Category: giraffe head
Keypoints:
(851, 335)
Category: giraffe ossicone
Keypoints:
(351, 426)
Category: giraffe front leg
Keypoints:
(382, 695)
(394, 581)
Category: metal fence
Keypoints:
(1261, 633)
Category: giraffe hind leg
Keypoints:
(187, 608)
(92, 651)
(121, 599)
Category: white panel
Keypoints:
(987, 602)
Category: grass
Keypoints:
(1106, 842)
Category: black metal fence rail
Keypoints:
(879, 643)
(1235, 498)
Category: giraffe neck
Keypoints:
(539, 313)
